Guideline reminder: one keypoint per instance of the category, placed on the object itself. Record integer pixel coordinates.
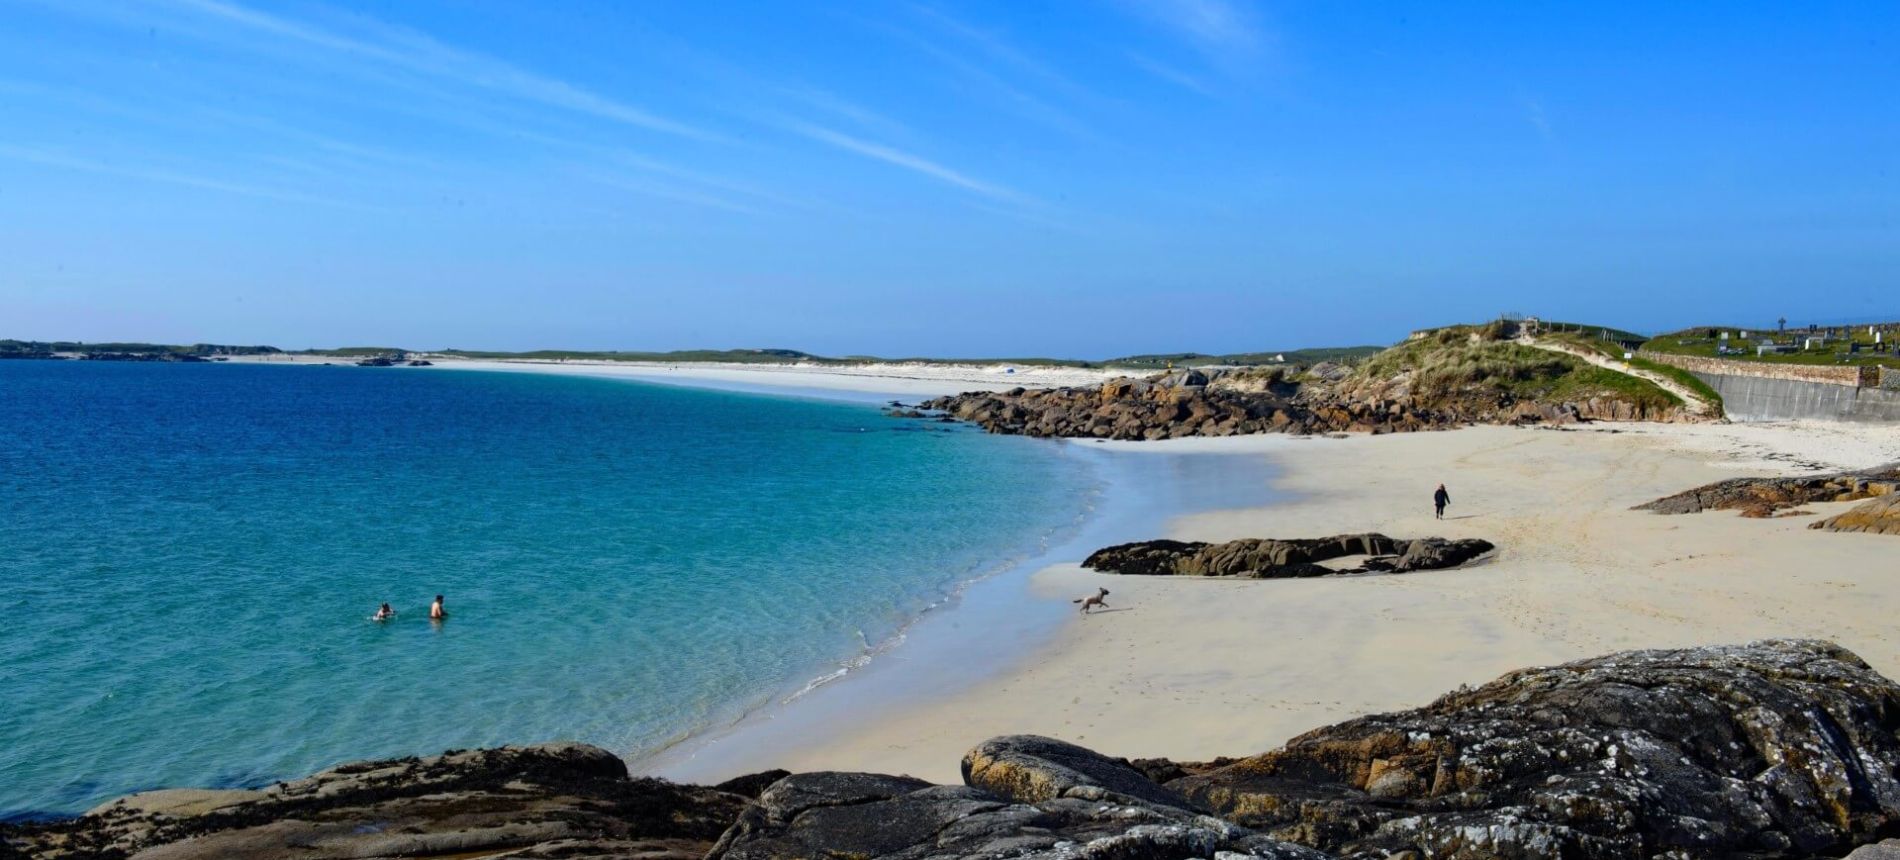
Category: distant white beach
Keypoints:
(894, 379)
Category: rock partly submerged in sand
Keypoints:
(1786, 748)
(1879, 516)
(1268, 558)
(1762, 497)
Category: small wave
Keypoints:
(1094, 495)
(1045, 543)
(862, 659)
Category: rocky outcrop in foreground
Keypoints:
(1775, 749)
(1761, 497)
(1267, 558)
(555, 800)
(1879, 516)
(1779, 749)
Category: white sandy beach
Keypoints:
(1193, 669)
(891, 379)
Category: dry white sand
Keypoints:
(895, 379)
(1195, 668)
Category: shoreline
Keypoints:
(986, 630)
(869, 382)
(944, 650)
(1195, 669)
(1521, 606)
(1208, 668)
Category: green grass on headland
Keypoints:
(1458, 359)
(1834, 350)
(1683, 377)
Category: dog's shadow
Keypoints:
(1106, 611)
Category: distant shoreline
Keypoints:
(915, 380)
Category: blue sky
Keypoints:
(1081, 178)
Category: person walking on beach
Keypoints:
(1439, 500)
(436, 612)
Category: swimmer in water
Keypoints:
(436, 612)
(383, 614)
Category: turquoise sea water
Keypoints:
(189, 555)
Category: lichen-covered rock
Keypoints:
(554, 800)
(1887, 849)
(1879, 516)
(1267, 558)
(868, 816)
(1762, 497)
(1775, 749)
(1032, 769)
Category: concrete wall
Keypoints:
(1760, 398)
(1763, 391)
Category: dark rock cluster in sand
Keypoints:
(1762, 497)
(1778, 749)
(1174, 406)
(1269, 558)
(1224, 402)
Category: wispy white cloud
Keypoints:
(1216, 24)
(1169, 73)
(708, 180)
(419, 53)
(55, 158)
(987, 60)
(668, 192)
(908, 161)
(1001, 49)
(332, 145)
(840, 106)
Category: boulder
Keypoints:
(1880, 515)
(1032, 769)
(1268, 558)
(1774, 749)
(1761, 497)
(566, 800)
(869, 816)
(752, 785)
(1434, 553)
(1886, 849)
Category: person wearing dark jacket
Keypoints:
(1439, 500)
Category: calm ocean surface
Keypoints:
(189, 555)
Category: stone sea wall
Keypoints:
(1821, 373)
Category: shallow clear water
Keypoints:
(189, 555)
